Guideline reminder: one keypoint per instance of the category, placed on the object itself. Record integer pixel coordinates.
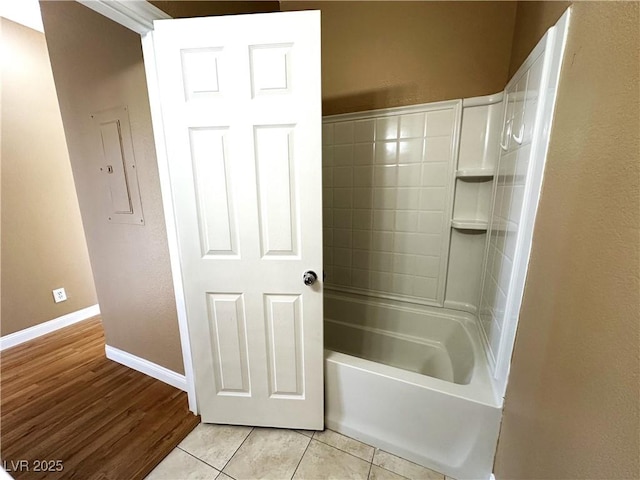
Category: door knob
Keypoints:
(309, 277)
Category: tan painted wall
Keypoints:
(43, 244)
(386, 54)
(572, 403)
(533, 19)
(97, 65)
(200, 8)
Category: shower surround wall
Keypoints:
(405, 230)
(529, 103)
(386, 171)
(388, 191)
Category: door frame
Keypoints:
(138, 17)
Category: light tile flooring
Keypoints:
(222, 452)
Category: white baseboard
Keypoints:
(36, 331)
(148, 368)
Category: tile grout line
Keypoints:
(408, 461)
(313, 437)
(340, 450)
(199, 459)
(303, 454)
(226, 474)
(391, 471)
(344, 451)
(227, 462)
(236, 451)
(370, 467)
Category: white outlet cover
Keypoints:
(59, 295)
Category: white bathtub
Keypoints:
(411, 380)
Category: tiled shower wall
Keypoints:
(506, 219)
(387, 193)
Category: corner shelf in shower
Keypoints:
(469, 224)
(475, 173)
(476, 169)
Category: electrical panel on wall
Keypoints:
(118, 166)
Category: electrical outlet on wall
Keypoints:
(59, 295)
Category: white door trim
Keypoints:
(138, 16)
(148, 53)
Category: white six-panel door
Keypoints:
(240, 100)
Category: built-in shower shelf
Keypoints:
(475, 173)
(469, 224)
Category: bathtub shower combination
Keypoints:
(428, 219)
(428, 214)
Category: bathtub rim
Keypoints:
(480, 388)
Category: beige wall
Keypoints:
(533, 19)
(386, 54)
(200, 8)
(43, 245)
(573, 396)
(97, 65)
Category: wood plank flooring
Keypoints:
(61, 399)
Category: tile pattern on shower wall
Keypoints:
(387, 181)
(506, 215)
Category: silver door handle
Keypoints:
(309, 277)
